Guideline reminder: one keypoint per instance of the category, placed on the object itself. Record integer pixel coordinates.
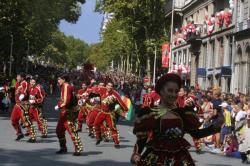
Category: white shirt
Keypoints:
(240, 115)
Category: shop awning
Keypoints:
(210, 72)
(201, 72)
(226, 71)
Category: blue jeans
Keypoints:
(225, 131)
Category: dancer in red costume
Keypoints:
(167, 125)
(94, 109)
(109, 98)
(67, 118)
(151, 99)
(83, 96)
(21, 109)
(36, 98)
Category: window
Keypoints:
(221, 52)
(197, 17)
(212, 54)
(174, 57)
(179, 57)
(206, 11)
(241, 11)
(204, 54)
(248, 10)
(185, 57)
(230, 51)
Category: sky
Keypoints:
(87, 27)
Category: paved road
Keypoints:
(21, 153)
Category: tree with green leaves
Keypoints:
(144, 23)
(65, 50)
(31, 24)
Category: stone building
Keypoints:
(241, 65)
(203, 41)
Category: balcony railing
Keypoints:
(169, 5)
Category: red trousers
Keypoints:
(35, 115)
(82, 115)
(16, 116)
(91, 119)
(66, 122)
(108, 118)
(18, 113)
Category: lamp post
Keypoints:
(154, 67)
(11, 58)
(172, 29)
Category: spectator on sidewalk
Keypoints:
(226, 128)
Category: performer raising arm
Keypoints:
(161, 130)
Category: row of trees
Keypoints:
(136, 28)
(31, 28)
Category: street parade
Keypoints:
(119, 83)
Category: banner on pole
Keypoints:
(165, 55)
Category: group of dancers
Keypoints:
(160, 123)
(29, 98)
(98, 105)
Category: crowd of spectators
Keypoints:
(234, 110)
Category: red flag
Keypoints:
(165, 55)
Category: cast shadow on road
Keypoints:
(111, 145)
(39, 141)
(48, 157)
(219, 165)
(107, 163)
(5, 115)
(125, 123)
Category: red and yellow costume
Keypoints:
(21, 110)
(108, 102)
(151, 99)
(35, 111)
(94, 109)
(161, 131)
(67, 119)
(83, 96)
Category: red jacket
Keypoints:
(35, 93)
(109, 98)
(82, 93)
(21, 88)
(66, 95)
(151, 100)
(181, 101)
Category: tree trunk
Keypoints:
(148, 68)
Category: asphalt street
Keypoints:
(13, 153)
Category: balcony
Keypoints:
(177, 6)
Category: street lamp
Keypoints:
(171, 29)
(154, 67)
(154, 73)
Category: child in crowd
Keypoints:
(230, 146)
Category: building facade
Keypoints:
(203, 41)
(241, 65)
